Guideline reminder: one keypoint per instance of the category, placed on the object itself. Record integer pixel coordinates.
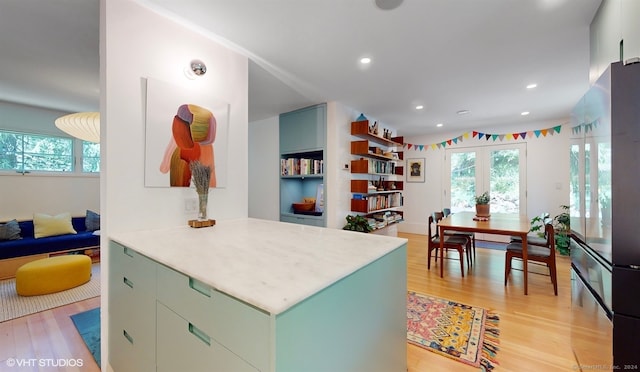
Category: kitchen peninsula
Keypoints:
(256, 295)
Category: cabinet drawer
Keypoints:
(124, 351)
(234, 324)
(182, 346)
(139, 271)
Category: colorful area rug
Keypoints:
(461, 332)
(88, 325)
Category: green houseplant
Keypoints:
(561, 223)
(357, 223)
(483, 209)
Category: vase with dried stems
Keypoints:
(201, 175)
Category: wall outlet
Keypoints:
(190, 205)
(346, 166)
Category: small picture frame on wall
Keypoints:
(415, 170)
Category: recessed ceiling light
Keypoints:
(365, 60)
(531, 86)
(419, 107)
(524, 113)
(462, 112)
(439, 125)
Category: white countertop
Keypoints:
(271, 265)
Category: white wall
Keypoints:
(264, 168)
(23, 195)
(137, 43)
(547, 169)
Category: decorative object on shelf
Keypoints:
(83, 125)
(374, 128)
(483, 208)
(357, 223)
(307, 205)
(561, 223)
(201, 175)
(416, 170)
(361, 118)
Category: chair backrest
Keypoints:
(550, 233)
(446, 211)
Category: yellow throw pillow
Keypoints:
(45, 225)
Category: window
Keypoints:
(90, 157)
(26, 152)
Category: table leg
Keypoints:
(442, 251)
(524, 262)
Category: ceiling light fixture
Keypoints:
(524, 113)
(365, 60)
(419, 107)
(196, 68)
(463, 112)
(439, 125)
(83, 125)
(531, 86)
(388, 4)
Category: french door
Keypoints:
(498, 169)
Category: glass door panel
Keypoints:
(504, 180)
(463, 181)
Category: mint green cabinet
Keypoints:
(304, 129)
(302, 155)
(169, 321)
(132, 309)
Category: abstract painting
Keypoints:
(183, 125)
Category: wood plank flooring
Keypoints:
(535, 329)
(46, 337)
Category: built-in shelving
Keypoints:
(377, 185)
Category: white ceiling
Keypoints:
(447, 55)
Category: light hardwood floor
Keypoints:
(535, 330)
(46, 337)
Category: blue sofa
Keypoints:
(29, 245)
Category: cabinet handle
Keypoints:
(200, 287)
(127, 251)
(127, 336)
(127, 282)
(199, 334)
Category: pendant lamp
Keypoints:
(83, 125)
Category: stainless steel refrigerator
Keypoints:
(605, 220)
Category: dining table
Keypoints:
(496, 223)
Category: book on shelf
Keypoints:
(301, 166)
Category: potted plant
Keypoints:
(483, 208)
(357, 223)
(562, 228)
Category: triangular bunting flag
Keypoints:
(433, 146)
(475, 133)
(523, 135)
(495, 136)
(409, 146)
(439, 145)
(455, 140)
(544, 132)
(501, 137)
(487, 137)
(466, 135)
(515, 135)
(557, 128)
(449, 142)
(421, 147)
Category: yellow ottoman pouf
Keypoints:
(54, 274)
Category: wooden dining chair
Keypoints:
(536, 253)
(451, 242)
(535, 239)
(470, 235)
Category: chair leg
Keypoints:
(507, 267)
(554, 277)
(429, 258)
(461, 251)
(473, 240)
